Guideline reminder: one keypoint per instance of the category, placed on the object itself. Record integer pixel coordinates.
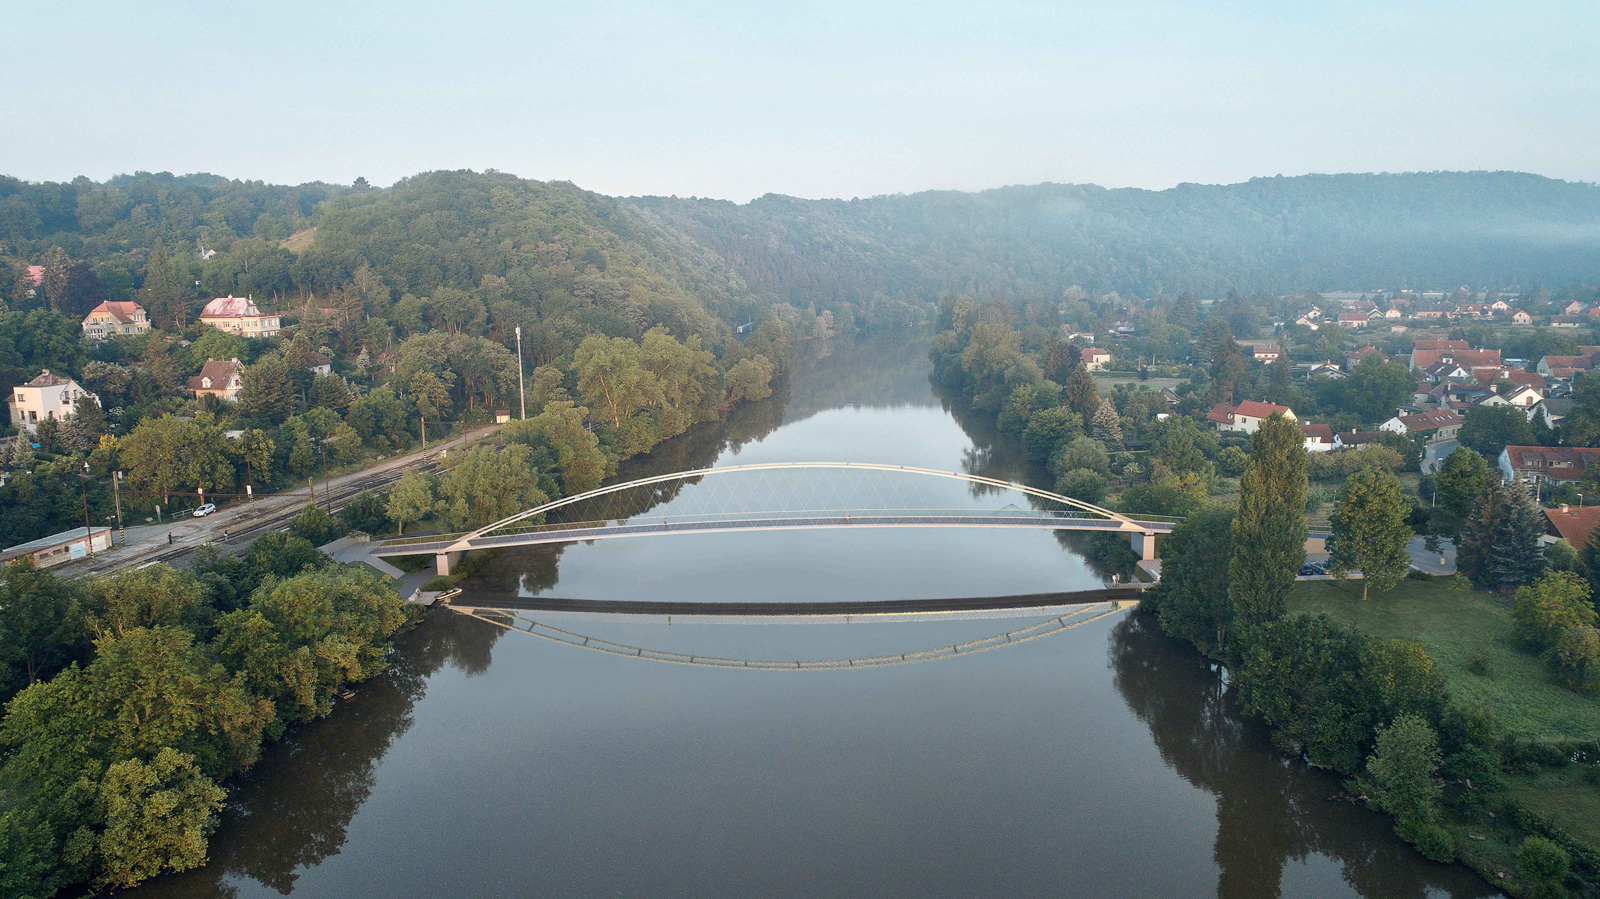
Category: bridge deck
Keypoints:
(764, 523)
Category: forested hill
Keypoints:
(578, 262)
(1317, 232)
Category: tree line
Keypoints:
(133, 698)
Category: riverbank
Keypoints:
(1468, 635)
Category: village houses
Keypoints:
(115, 319)
(46, 396)
(238, 315)
(222, 379)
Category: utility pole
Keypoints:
(520, 394)
(88, 529)
(116, 493)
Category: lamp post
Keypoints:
(521, 396)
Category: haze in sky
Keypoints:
(814, 99)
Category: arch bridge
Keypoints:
(784, 496)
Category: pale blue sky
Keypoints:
(815, 99)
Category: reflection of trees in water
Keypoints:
(294, 808)
(1269, 811)
(883, 369)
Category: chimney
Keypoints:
(1563, 507)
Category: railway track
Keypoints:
(241, 531)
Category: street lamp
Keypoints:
(521, 396)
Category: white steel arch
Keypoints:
(1127, 524)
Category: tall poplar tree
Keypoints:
(1269, 533)
(1370, 531)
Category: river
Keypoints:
(1097, 760)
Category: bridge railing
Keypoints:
(781, 515)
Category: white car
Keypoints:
(205, 510)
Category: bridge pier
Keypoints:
(446, 561)
(1144, 544)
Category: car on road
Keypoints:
(204, 509)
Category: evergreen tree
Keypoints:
(1107, 424)
(1370, 530)
(1079, 393)
(267, 391)
(1269, 533)
(1499, 544)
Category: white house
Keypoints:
(1246, 417)
(1442, 424)
(115, 319)
(47, 396)
(1095, 358)
(1319, 437)
(238, 315)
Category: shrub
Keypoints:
(1576, 658)
(1544, 864)
(439, 583)
(1550, 605)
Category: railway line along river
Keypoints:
(1096, 759)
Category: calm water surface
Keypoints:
(1101, 760)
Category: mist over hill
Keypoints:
(1316, 232)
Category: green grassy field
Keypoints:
(1465, 632)
(1105, 380)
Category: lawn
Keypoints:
(1107, 379)
(1465, 632)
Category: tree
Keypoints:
(1373, 391)
(1546, 608)
(1461, 480)
(1191, 600)
(1082, 483)
(1048, 429)
(301, 639)
(157, 815)
(612, 378)
(1107, 425)
(1167, 493)
(431, 392)
(576, 450)
(1080, 394)
(1370, 530)
(255, 451)
(749, 380)
(1402, 779)
(1181, 446)
(1490, 429)
(1576, 657)
(162, 292)
(1499, 544)
(410, 499)
(1581, 427)
(1545, 864)
(267, 391)
(57, 270)
(41, 627)
(484, 485)
(1269, 533)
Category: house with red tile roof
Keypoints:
(1246, 417)
(1547, 464)
(115, 319)
(1319, 437)
(219, 378)
(1570, 524)
(1442, 424)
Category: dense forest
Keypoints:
(1317, 232)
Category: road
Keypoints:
(242, 521)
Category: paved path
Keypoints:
(1440, 564)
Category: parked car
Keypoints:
(1308, 570)
(204, 510)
